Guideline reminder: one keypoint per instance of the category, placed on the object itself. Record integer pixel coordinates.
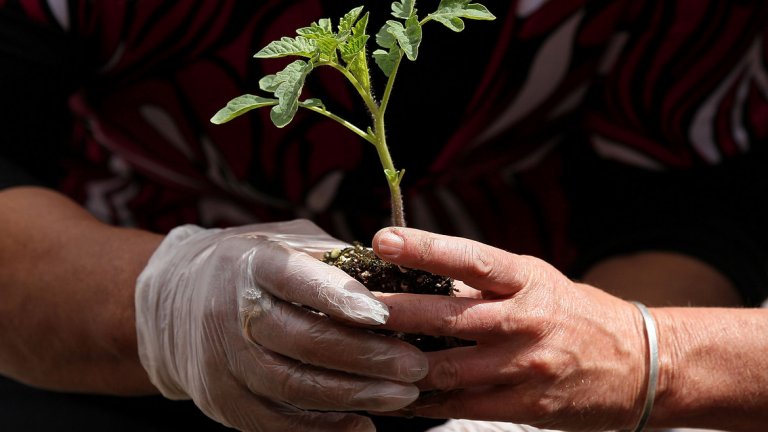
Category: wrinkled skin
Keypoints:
(549, 352)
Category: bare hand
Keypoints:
(549, 352)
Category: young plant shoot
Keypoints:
(345, 51)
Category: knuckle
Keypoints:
(425, 248)
(540, 366)
(452, 318)
(446, 375)
(480, 263)
(538, 272)
(255, 306)
(542, 407)
(548, 401)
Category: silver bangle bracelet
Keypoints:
(653, 365)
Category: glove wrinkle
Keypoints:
(248, 325)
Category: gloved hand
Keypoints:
(219, 321)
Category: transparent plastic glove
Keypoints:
(218, 321)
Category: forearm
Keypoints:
(660, 278)
(713, 360)
(713, 366)
(67, 282)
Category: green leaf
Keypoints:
(352, 50)
(386, 60)
(450, 13)
(347, 22)
(387, 57)
(326, 25)
(326, 47)
(312, 102)
(408, 36)
(356, 43)
(391, 175)
(385, 38)
(353, 54)
(317, 29)
(404, 9)
(394, 177)
(352, 47)
(288, 46)
(286, 85)
(239, 106)
(321, 33)
(413, 35)
(360, 26)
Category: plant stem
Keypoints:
(393, 175)
(393, 179)
(379, 139)
(346, 124)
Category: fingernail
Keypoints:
(367, 310)
(417, 369)
(390, 245)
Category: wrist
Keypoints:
(710, 363)
(124, 253)
(651, 348)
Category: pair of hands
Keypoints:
(280, 366)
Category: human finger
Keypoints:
(479, 403)
(481, 266)
(299, 278)
(246, 411)
(476, 366)
(314, 339)
(463, 290)
(311, 388)
(463, 318)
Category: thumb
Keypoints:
(486, 268)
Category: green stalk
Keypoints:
(392, 174)
(366, 136)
